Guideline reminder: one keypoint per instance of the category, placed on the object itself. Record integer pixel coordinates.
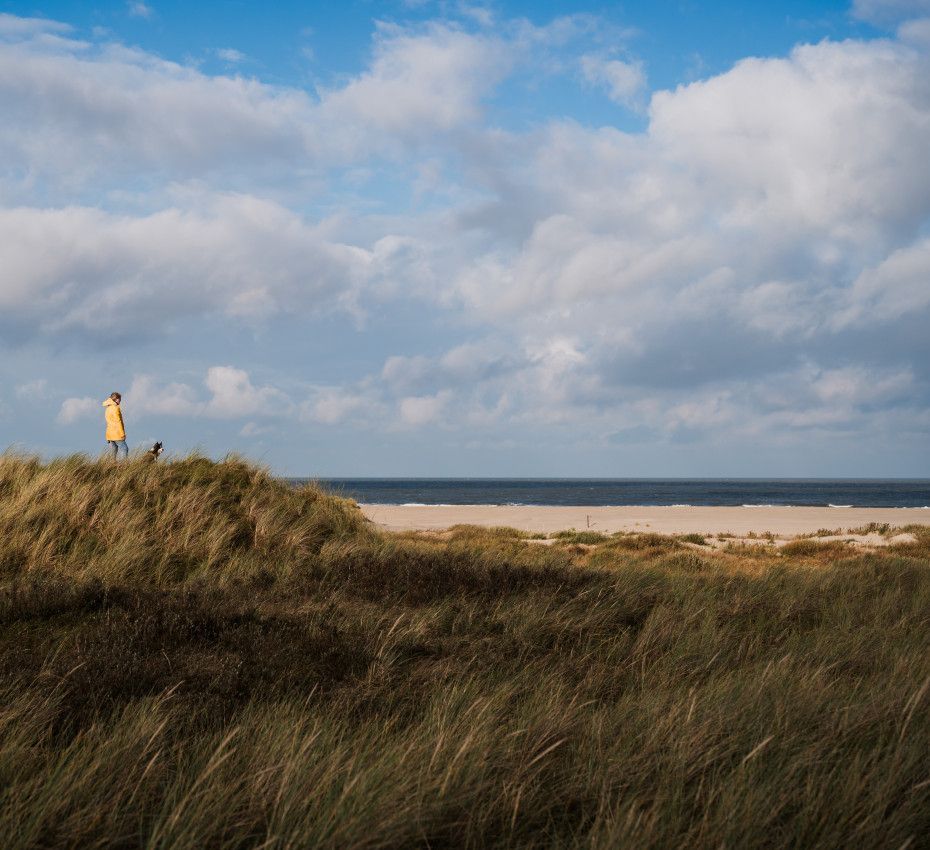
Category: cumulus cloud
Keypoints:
(889, 11)
(756, 259)
(96, 115)
(73, 409)
(917, 32)
(79, 113)
(898, 287)
(253, 429)
(332, 405)
(624, 81)
(422, 410)
(102, 115)
(727, 240)
(86, 271)
(230, 55)
(12, 26)
(463, 365)
(860, 386)
(418, 83)
(138, 9)
(556, 384)
(149, 397)
(230, 394)
(233, 395)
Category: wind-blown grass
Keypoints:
(195, 655)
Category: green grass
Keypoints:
(805, 547)
(194, 655)
(576, 538)
(698, 539)
(765, 535)
(872, 528)
(824, 532)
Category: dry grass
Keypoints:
(194, 655)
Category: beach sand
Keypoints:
(739, 521)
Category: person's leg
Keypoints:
(114, 448)
(125, 448)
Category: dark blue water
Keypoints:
(872, 492)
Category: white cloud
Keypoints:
(417, 83)
(756, 198)
(83, 117)
(459, 368)
(823, 142)
(78, 116)
(898, 287)
(148, 397)
(253, 429)
(332, 405)
(481, 15)
(230, 394)
(138, 9)
(916, 32)
(713, 409)
(407, 372)
(755, 259)
(73, 409)
(857, 385)
(234, 395)
(624, 81)
(85, 271)
(32, 389)
(417, 411)
(17, 27)
(553, 383)
(889, 11)
(230, 55)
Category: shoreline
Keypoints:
(663, 519)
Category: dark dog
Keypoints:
(155, 451)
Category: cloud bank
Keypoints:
(754, 262)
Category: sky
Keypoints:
(421, 238)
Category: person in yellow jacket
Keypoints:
(116, 431)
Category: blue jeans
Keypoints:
(117, 445)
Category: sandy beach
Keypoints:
(781, 521)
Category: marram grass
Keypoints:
(194, 655)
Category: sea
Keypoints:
(822, 492)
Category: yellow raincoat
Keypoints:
(115, 428)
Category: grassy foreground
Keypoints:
(194, 655)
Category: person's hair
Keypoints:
(116, 396)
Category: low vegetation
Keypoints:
(697, 539)
(193, 654)
(580, 538)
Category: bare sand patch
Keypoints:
(782, 522)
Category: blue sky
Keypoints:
(448, 238)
